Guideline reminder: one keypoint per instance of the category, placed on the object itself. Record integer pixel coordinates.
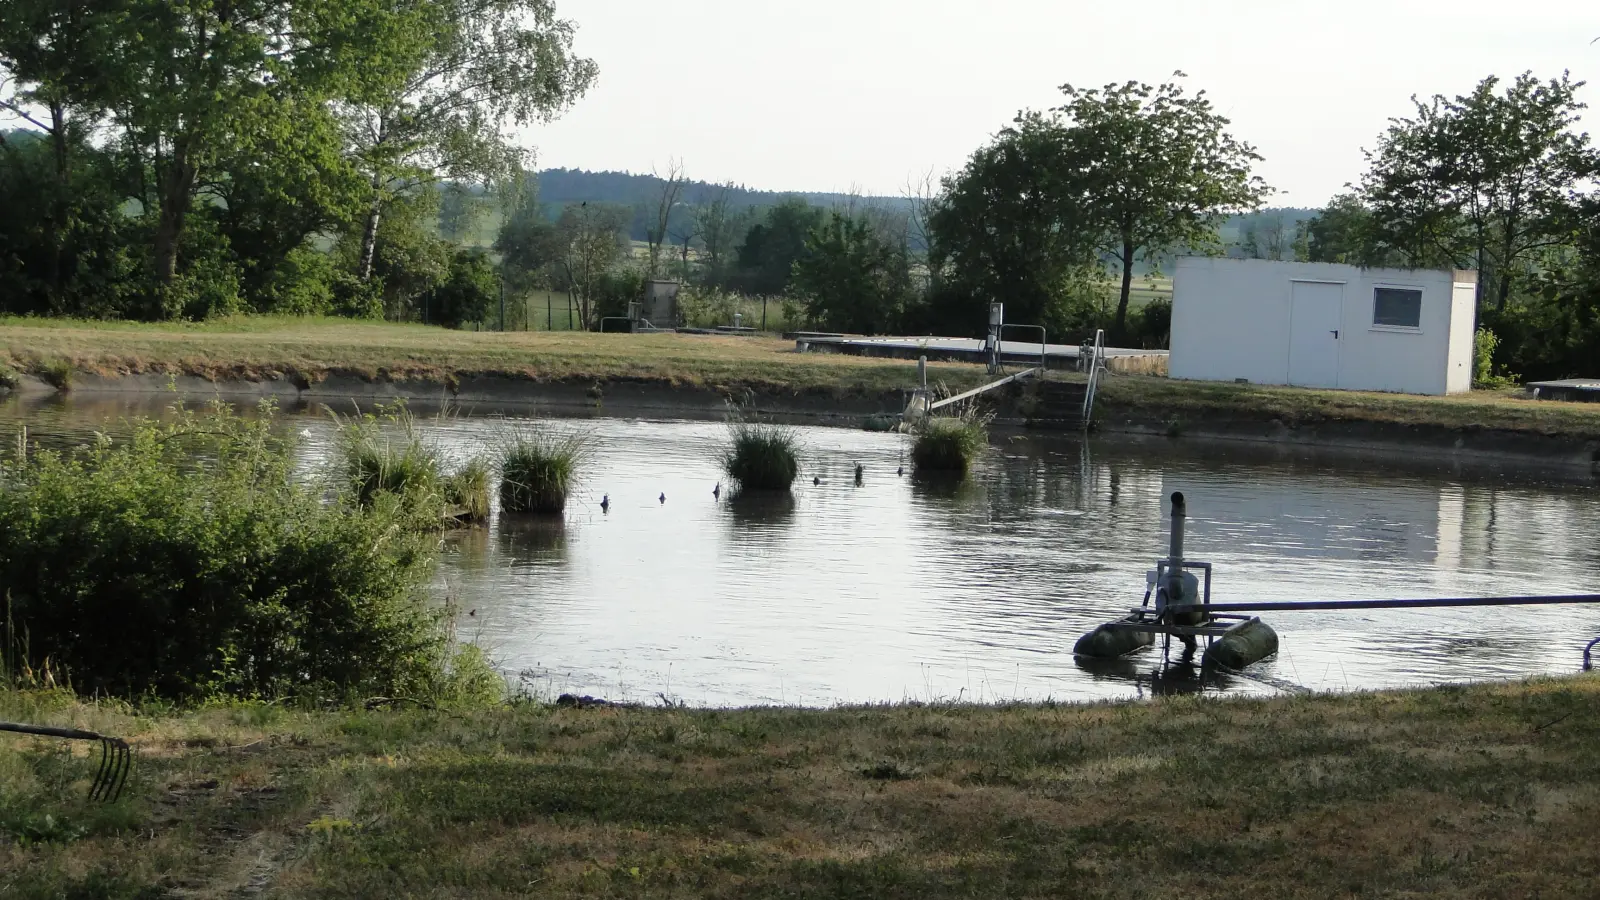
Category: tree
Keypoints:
(1487, 180)
(443, 104)
(851, 278)
(771, 247)
(717, 226)
(667, 199)
(467, 292)
(1344, 232)
(1013, 225)
(589, 241)
(1160, 167)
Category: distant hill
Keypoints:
(559, 187)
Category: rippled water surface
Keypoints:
(893, 590)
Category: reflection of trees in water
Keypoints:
(525, 539)
(1155, 677)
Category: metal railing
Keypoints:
(1096, 363)
(1044, 363)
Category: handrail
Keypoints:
(1025, 373)
(1095, 364)
(1044, 361)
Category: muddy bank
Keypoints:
(492, 393)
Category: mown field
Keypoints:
(1487, 791)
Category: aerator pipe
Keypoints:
(1430, 603)
(1179, 511)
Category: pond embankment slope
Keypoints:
(1481, 791)
(329, 359)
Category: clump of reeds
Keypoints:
(394, 460)
(948, 445)
(538, 467)
(761, 457)
(466, 492)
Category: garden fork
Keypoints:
(116, 757)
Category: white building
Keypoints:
(1323, 325)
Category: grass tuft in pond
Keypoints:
(466, 492)
(384, 454)
(948, 445)
(762, 457)
(538, 468)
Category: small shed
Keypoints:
(1323, 325)
(660, 304)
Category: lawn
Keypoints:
(1482, 791)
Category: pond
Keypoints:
(895, 590)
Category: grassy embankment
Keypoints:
(1486, 791)
(312, 349)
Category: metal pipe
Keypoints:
(1431, 603)
(1175, 552)
(1588, 662)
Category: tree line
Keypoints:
(191, 158)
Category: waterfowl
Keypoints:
(605, 503)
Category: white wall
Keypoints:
(1463, 332)
(1231, 319)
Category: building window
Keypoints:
(1397, 308)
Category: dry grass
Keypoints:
(1460, 792)
(1195, 402)
(310, 349)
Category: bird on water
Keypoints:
(605, 503)
(716, 492)
(860, 470)
(816, 479)
(663, 496)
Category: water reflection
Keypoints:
(905, 588)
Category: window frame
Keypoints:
(1373, 324)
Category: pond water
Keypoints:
(895, 590)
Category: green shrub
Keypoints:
(1484, 345)
(538, 467)
(189, 561)
(948, 445)
(761, 457)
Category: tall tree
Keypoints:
(717, 225)
(1012, 225)
(589, 240)
(771, 247)
(1162, 170)
(443, 104)
(1488, 180)
(852, 278)
(659, 220)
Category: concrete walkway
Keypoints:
(1056, 356)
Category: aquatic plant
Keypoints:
(538, 467)
(466, 491)
(761, 456)
(191, 560)
(948, 444)
(384, 454)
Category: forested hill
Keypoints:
(559, 187)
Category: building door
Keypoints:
(1315, 318)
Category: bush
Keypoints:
(189, 561)
(948, 445)
(538, 467)
(761, 457)
(1484, 344)
(470, 290)
(466, 493)
(383, 454)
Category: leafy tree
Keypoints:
(771, 247)
(468, 291)
(717, 223)
(1345, 232)
(443, 103)
(659, 214)
(1488, 180)
(1012, 225)
(1159, 168)
(851, 278)
(590, 239)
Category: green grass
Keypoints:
(538, 467)
(1484, 791)
(386, 455)
(761, 457)
(310, 350)
(948, 445)
(466, 491)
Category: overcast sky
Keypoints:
(864, 94)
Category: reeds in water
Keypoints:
(948, 445)
(538, 468)
(466, 493)
(762, 457)
(393, 460)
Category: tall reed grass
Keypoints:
(539, 467)
(948, 445)
(761, 457)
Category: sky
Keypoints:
(870, 95)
